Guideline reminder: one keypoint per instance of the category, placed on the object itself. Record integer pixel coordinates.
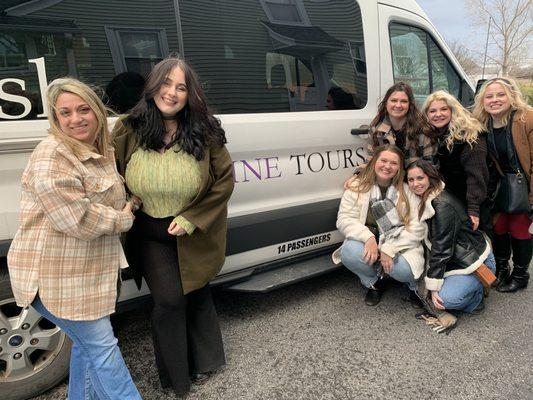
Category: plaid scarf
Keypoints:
(384, 211)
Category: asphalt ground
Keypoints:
(318, 340)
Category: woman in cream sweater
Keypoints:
(377, 216)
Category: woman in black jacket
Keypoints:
(456, 249)
(461, 151)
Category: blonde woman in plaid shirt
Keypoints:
(64, 260)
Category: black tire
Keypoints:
(40, 369)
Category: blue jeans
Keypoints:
(97, 369)
(352, 258)
(464, 292)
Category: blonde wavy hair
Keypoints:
(367, 179)
(512, 91)
(74, 86)
(462, 127)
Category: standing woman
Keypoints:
(171, 151)
(399, 122)
(500, 107)
(66, 256)
(382, 234)
(456, 249)
(461, 151)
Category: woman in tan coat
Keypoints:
(66, 255)
(171, 151)
(500, 107)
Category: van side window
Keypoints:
(110, 45)
(253, 56)
(277, 55)
(417, 60)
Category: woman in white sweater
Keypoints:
(377, 216)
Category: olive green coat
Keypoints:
(200, 255)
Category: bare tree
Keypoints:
(511, 28)
(465, 57)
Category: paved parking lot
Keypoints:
(317, 340)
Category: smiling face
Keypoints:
(439, 113)
(397, 105)
(418, 181)
(76, 119)
(386, 167)
(172, 94)
(496, 102)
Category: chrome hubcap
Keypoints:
(28, 342)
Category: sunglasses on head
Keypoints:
(504, 80)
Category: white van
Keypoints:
(292, 81)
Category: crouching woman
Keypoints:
(457, 250)
(382, 236)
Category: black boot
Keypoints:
(518, 280)
(502, 272)
(502, 253)
(522, 249)
(373, 295)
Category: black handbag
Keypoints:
(512, 192)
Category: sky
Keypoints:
(452, 21)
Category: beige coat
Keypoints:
(351, 220)
(68, 244)
(202, 254)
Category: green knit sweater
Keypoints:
(165, 183)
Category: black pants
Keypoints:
(185, 328)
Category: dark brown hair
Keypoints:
(415, 122)
(435, 181)
(197, 127)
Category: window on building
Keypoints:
(12, 51)
(135, 50)
(285, 11)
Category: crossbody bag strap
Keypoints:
(496, 163)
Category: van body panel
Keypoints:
(288, 166)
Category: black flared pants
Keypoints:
(185, 328)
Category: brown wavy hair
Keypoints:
(415, 122)
(367, 179)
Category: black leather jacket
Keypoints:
(454, 244)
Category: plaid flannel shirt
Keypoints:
(384, 135)
(67, 247)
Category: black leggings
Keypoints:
(185, 328)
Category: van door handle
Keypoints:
(362, 130)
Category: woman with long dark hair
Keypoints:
(456, 250)
(400, 122)
(501, 108)
(171, 151)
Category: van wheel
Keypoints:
(34, 353)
